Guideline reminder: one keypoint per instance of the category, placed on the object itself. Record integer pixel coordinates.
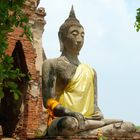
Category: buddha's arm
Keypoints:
(61, 111)
(48, 88)
(97, 112)
(48, 81)
(95, 87)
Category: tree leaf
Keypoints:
(1, 93)
(16, 96)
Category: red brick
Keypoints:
(32, 108)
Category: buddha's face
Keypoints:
(74, 39)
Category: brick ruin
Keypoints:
(23, 117)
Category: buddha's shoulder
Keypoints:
(55, 62)
(89, 67)
(49, 63)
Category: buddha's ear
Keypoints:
(61, 41)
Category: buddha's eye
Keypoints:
(74, 33)
(82, 34)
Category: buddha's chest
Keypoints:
(64, 72)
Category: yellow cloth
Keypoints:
(78, 95)
(52, 103)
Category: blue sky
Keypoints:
(112, 47)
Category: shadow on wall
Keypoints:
(10, 109)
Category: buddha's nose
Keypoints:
(79, 40)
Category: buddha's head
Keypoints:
(71, 34)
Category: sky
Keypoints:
(111, 47)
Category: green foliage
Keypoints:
(137, 23)
(138, 128)
(11, 16)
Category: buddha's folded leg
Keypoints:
(63, 126)
(120, 129)
(93, 124)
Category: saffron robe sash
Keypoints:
(78, 96)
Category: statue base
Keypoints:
(134, 136)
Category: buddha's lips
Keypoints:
(78, 46)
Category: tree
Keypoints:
(137, 23)
(11, 15)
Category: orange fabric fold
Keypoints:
(51, 104)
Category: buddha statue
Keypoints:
(69, 89)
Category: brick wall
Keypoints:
(32, 101)
(31, 107)
(28, 49)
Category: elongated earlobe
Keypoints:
(60, 41)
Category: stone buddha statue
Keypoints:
(70, 90)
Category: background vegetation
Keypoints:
(11, 15)
(137, 23)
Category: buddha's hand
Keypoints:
(79, 117)
(97, 115)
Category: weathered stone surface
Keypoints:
(87, 138)
(69, 138)
(127, 130)
(41, 131)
